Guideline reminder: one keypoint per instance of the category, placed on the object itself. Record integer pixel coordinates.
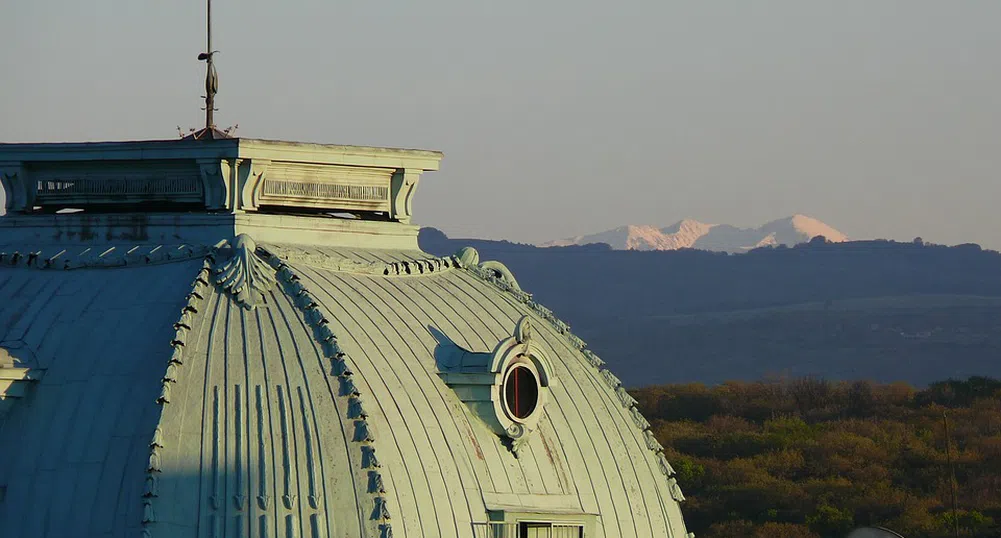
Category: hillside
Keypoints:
(865, 309)
(807, 458)
(690, 233)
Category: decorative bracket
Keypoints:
(245, 275)
(18, 193)
(215, 182)
(250, 179)
(403, 185)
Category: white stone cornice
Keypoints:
(344, 155)
(237, 175)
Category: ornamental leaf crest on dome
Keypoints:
(244, 275)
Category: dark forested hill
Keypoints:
(879, 310)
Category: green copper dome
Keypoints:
(239, 338)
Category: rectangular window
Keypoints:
(549, 530)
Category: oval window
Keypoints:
(521, 392)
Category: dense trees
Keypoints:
(811, 458)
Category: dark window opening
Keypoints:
(549, 530)
(521, 391)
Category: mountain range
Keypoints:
(689, 233)
(878, 310)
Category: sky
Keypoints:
(560, 118)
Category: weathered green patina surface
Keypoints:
(234, 361)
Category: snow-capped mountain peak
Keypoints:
(689, 233)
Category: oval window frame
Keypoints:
(527, 364)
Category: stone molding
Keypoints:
(204, 229)
(234, 175)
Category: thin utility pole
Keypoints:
(952, 474)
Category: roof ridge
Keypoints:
(344, 264)
(304, 301)
(181, 328)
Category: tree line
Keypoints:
(811, 458)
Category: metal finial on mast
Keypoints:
(211, 85)
(211, 77)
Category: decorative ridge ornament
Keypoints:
(424, 266)
(493, 271)
(245, 275)
(350, 396)
(195, 298)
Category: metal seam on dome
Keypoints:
(362, 431)
(181, 328)
(94, 257)
(467, 258)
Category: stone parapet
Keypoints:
(221, 176)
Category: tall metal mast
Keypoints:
(211, 77)
(209, 132)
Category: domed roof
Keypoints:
(270, 373)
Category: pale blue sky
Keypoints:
(881, 118)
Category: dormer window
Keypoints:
(521, 391)
(507, 388)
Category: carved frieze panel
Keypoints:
(326, 186)
(75, 184)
